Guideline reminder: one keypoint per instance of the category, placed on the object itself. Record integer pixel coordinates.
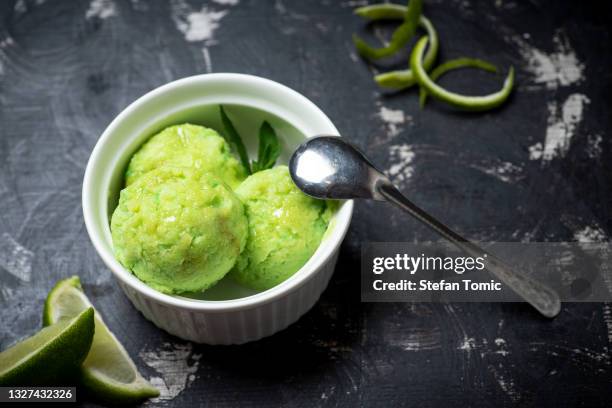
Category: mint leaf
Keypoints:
(269, 148)
(235, 141)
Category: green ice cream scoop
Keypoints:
(178, 230)
(186, 145)
(285, 228)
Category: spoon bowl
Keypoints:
(326, 167)
(329, 167)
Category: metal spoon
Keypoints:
(328, 167)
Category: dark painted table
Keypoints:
(536, 170)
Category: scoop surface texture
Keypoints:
(196, 147)
(178, 229)
(285, 228)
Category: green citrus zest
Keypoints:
(402, 79)
(465, 102)
(451, 65)
(399, 38)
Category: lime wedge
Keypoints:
(108, 371)
(52, 355)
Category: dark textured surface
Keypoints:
(67, 68)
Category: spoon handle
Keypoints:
(540, 296)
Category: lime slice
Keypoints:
(108, 371)
(52, 355)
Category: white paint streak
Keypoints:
(484, 347)
(418, 339)
(101, 9)
(20, 7)
(7, 42)
(322, 27)
(578, 356)
(6, 292)
(392, 118)
(501, 347)
(207, 60)
(402, 157)
(227, 2)
(4, 43)
(16, 259)
(506, 384)
(196, 25)
(468, 344)
(176, 365)
(535, 151)
(565, 258)
(562, 125)
(590, 233)
(504, 171)
(279, 6)
(607, 317)
(21, 324)
(594, 146)
(559, 68)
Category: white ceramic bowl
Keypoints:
(240, 316)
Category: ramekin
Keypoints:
(233, 321)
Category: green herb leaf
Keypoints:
(400, 36)
(269, 148)
(235, 141)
